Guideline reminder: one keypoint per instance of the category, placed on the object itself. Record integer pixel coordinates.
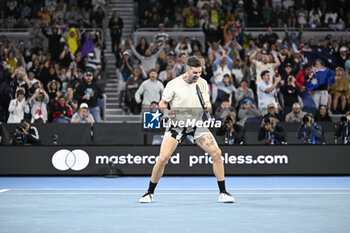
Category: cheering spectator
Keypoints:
(115, 26)
(150, 90)
(319, 82)
(73, 103)
(18, 107)
(83, 115)
(264, 65)
(148, 61)
(39, 105)
(62, 112)
(224, 110)
(126, 69)
(72, 39)
(243, 92)
(54, 42)
(180, 66)
(293, 39)
(247, 111)
(89, 92)
(267, 92)
(296, 115)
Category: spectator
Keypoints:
(73, 103)
(5, 91)
(224, 110)
(72, 39)
(66, 57)
(132, 84)
(293, 39)
(272, 131)
(45, 15)
(150, 90)
(126, 69)
(310, 131)
(142, 46)
(247, 111)
(264, 65)
(180, 66)
(98, 16)
(342, 56)
(83, 115)
(322, 114)
(62, 112)
(89, 92)
(93, 64)
(267, 92)
(148, 61)
(319, 83)
(115, 26)
(315, 17)
(223, 90)
(18, 107)
(291, 93)
(71, 16)
(222, 66)
(20, 81)
(39, 105)
(183, 46)
(339, 91)
(161, 36)
(296, 115)
(243, 92)
(87, 44)
(54, 42)
(234, 133)
(167, 74)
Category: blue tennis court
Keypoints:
(182, 204)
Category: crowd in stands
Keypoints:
(284, 78)
(251, 13)
(52, 76)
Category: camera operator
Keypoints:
(234, 133)
(25, 134)
(343, 129)
(272, 131)
(310, 131)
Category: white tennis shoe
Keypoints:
(226, 198)
(147, 198)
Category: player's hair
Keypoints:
(263, 73)
(194, 62)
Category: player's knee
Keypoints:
(343, 97)
(162, 160)
(216, 154)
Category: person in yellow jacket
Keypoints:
(72, 39)
(339, 90)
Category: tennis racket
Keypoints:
(201, 100)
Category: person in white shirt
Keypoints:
(18, 107)
(181, 93)
(265, 64)
(266, 91)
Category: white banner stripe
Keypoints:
(4, 190)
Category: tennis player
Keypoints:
(181, 94)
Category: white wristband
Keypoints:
(166, 113)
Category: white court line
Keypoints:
(4, 190)
(179, 193)
(169, 189)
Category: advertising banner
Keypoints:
(186, 160)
